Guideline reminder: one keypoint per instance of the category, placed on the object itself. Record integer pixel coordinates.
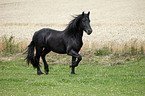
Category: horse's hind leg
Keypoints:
(37, 58)
(44, 52)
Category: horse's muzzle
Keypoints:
(89, 31)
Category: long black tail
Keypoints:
(30, 54)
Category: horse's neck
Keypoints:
(78, 33)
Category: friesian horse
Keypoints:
(68, 41)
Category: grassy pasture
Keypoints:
(96, 76)
(118, 27)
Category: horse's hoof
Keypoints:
(40, 73)
(73, 73)
(46, 73)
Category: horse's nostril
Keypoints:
(89, 30)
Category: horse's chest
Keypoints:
(76, 45)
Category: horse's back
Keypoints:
(42, 32)
(50, 39)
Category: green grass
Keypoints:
(92, 79)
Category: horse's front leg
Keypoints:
(75, 63)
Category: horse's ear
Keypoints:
(83, 13)
(88, 13)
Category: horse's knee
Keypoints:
(80, 58)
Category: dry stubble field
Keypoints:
(117, 24)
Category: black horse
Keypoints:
(67, 42)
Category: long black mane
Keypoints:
(74, 25)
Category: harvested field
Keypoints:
(117, 24)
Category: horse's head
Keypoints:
(85, 21)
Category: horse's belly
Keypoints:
(58, 48)
(59, 51)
